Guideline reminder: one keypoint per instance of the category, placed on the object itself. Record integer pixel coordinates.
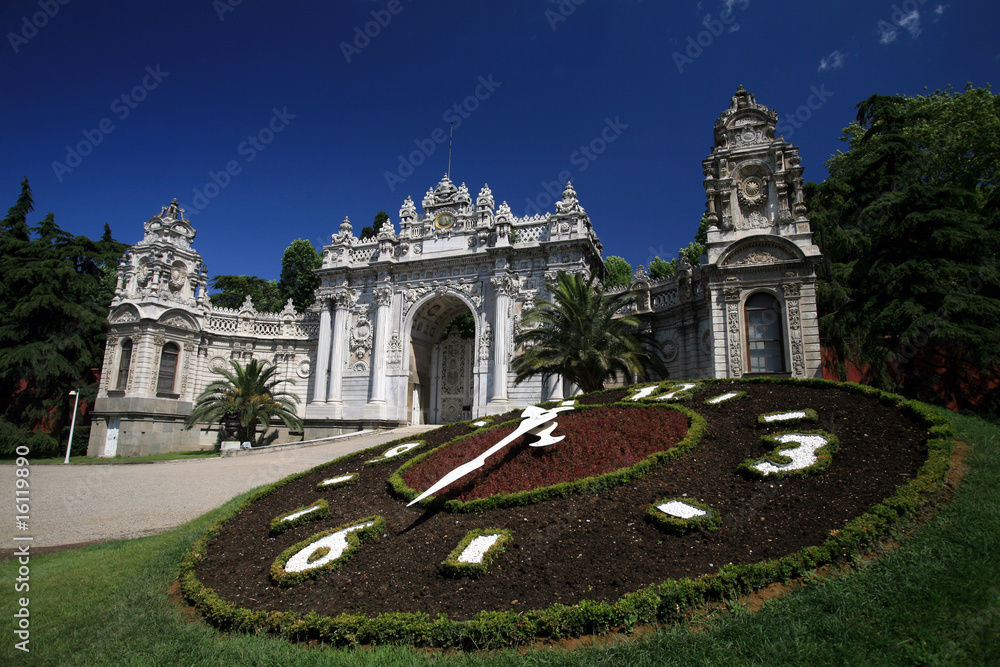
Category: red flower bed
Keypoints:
(597, 441)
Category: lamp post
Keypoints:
(72, 424)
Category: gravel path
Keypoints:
(74, 504)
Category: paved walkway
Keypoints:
(73, 504)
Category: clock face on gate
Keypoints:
(444, 221)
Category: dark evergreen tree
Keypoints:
(371, 232)
(52, 329)
(907, 220)
(298, 273)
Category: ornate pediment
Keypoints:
(757, 255)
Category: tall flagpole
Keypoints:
(451, 134)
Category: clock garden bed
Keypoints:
(584, 555)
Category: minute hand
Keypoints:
(532, 418)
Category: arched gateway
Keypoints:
(453, 259)
(373, 350)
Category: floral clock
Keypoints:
(571, 517)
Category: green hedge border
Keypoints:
(354, 540)
(355, 476)
(592, 484)
(278, 525)
(810, 417)
(679, 526)
(451, 566)
(824, 456)
(738, 396)
(667, 601)
(378, 460)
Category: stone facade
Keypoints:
(371, 350)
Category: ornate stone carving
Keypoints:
(178, 321)
(485, 340)
(759, 257)
(735, 348)
(383, 295)
(732, 289)
(752, 192)
(361, 337)
(791, 290)
(124, 315)
(394, 351)
(504, 285)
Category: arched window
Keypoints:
(764, 346)
(124, 363)
(168, 369)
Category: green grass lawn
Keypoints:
(169, 456)
(933, 601)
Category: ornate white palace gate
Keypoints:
(371, 352)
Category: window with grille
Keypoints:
(124, 363)
(764, 344)
(168, 369)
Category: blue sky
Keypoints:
(272, 121)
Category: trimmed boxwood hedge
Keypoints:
(665, 601)
(810, 416)
(824, 456)
(354, 539)
(452, 567)
(322, 511)
(382, 459)
(352, 478)
(678, 526)
(592, 484)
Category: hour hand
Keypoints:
(544, 434)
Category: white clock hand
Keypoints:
(534, 422)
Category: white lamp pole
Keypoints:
(72, 424)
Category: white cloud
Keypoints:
(887, 34)
(833, 61)
(911, 22)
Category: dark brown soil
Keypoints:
(594, 547)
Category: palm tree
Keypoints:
(582, 336)
(248, 393)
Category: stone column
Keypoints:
(555, 387)
(792, 292)
(383, 299)
(732, 292)
(503, 287)
(321, 373)
(338, 345)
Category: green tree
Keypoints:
(371, 232)
(659, 268)
(53, 319)
(907, 220)
(581, 336)
(693, 252)
(251, 393)
(619, 272)
(234, 289)
(298, 273)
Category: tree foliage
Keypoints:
(298, 273)
(298, 282)
(250, 392)
(54, 300)
(659, 268)
(234, 289)
(580, 336)
(909, 226)
(619, 272)
(371, 232)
